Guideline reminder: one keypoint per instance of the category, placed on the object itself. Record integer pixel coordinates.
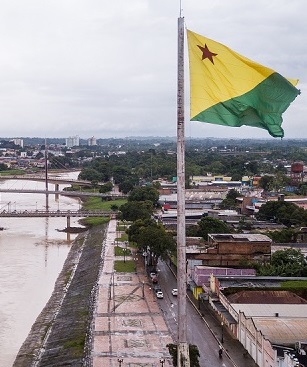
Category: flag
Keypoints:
(229, 89)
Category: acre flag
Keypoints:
(229, 89)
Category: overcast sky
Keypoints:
(108, 68)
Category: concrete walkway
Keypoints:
(128, 323)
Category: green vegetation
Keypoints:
(123, 237)
(134, 210)
(95, 203)
(294, 284)
(121, 251)
(144, 193)
(11, 172)
(124, 267)
(152, 238)
(283, 212)
(285, 235)
(76, 345)
(106, 187)
(193, 354)
(285, 263)
(208, 225)
(95, 221)
(67, 276)
(230, 202)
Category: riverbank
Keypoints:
(58, 336)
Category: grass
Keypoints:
(124, 267)
(94, 221)
(119, 251)
(95, 203)
(294, 284)
(12, 172)
(77, 345)
(123, 237)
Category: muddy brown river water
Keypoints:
(32, 253)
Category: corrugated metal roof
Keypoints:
(284, 331)
(269, 310)
(266, 297)
(251, 237)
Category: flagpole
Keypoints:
(183, 359)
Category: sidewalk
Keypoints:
(128, 323)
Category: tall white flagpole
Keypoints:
(183, 359)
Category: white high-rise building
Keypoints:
(72, 141)
(18, 141)
(91, 141)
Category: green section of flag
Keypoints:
(261, 107)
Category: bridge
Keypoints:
(55, 213)
(66, 193)
(54, 180)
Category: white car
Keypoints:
(174, 292)
(159, 294)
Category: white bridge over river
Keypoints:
(55, 213)
(57, 182)
(64, 192)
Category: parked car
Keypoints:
(159, 294)
(174, 292)
(154, 280)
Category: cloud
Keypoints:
(110, 68)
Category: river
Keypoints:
(32, 254)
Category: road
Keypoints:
(197, 331)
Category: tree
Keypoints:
(152, 238)
(230, 202)
(193, 353)
(106, 187)
(89, 174)
(144, 193)
(283, 212)
(3, 167)
(125, 187)
(266, 182)
(134, 210)
(157, 241)
(289, 262)
(211, 225)
(285, 235)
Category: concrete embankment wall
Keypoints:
(59, 336)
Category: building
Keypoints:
(18, 141)
(270, 323)
(232, 249)
(91, 141)
(72, 141)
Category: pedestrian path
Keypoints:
(129, 329)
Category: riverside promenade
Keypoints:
(128, 327)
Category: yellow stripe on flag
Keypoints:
(218, 74)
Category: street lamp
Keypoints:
(120, 361)
(222, 339)
(114, 283)
(162, 361)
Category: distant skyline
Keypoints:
(109, 69)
